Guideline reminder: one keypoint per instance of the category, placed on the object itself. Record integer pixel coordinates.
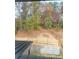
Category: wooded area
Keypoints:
(35, 15)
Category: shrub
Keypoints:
(36, 21)
(48, 23)
(17, 26)
(32, 23)
(59, 25)
(23, 24)
(28, 24)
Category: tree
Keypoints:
(35, 5)
(25, 8)
(18, 8)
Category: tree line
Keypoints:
(34, 15)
